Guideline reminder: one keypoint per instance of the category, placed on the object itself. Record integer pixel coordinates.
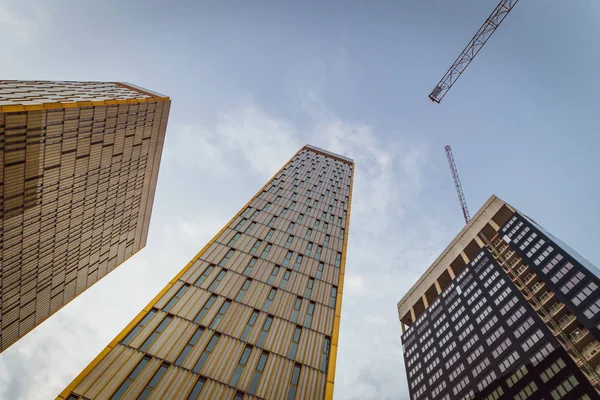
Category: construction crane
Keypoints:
(459, 191)
(472, 49)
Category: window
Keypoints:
(508, 361)
(159, 329)
(309, 315)
(297, 306)
(197, 388)
(154, 381)
(308, 233)
(333, 297)
(342, 233)
(238, 396)
(481, 366)
(495, 335)
(461, 385)
(309, 287)
(272, 221)
(584, 293)
(283, 212)
(325, 354)
(501, 348)
(326, 242)
(298, 262)
(528, 323)
(320, 270)
(176, 297)
(139, 327)
(561, 272)
(338, 259)
(294, 382)
(293, 205)
(215, 283)
(288, 257)
(217, 319)
(572, 282)
(226, 258)
(277, 200)
(286, 277)
(300, 217)
(204, 275)
(475, 354)
(240, 225)
(516, 376)
(207, 350)
(295, 341)
(266, 251)
(552, 263)
(319, 251)
(491, 377)
(552, 370)
(249, 325)
(240, 367)
(246, 211)
(250, 227)
(515, 316)
(565, 387)
(270, 234)
(273, 275)
(249, 266)
(260, 366)
(131, 378)
(205, 309)
(592, 310)
(526, 392)
(308, 249)
(316, 226)
(532, 340)
(270, 298)
(543, 353)
(234, 239)
(265, 331)
(255, 247)
(188, 347)
(325, 226)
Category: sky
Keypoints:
(251, 82)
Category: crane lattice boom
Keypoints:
(459, 191)
(469, 53)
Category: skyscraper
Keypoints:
(78, 169)
(506, 311)
(256, 313)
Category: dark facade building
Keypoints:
(256, 314)
(506, 311)
(78, 169)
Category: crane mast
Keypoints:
(459, 191)
(472, 49)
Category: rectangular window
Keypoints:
(289, 242)
(316, 226)
(249, 325)
(294, 382)
(205, 309)
(204, 275)
(240, 367)
(326, 243)
(319, 251)
(300, 217)
(288, 257)
(308, 233)
(265, 331)
(295, 341)
(273, 275)
(342, 233)
(234, 239)
(154, 381)
(159, 329)
(197, 388)
(338, 259)
(309, 315)
(250, 227)
(240, 225)
(218, 279)
(207, 350)
(290, 227)
(246, 211)
(260, 367)
(139, 327)
(242, 291)
(320, 270)
(297, 306)
(219, 316)
(293, 205)
(131, 378)
(249, 266)
(308, 249)
(270, 298)
(226, 258)
(266, 251)
(309, 288)
(333, 297)
(286, 277)
(298, 262)
(189, 346)
(269, 235)
(283, 212)
(325, 226)
(272, 222)
(254, 214)
(176, 297)
(255, 247)
(325, 354)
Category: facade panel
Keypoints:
(78, 170)
(256, 313)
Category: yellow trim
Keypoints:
(338, 303)
(73, 385)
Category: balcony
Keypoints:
(521, 270)
(546, 299)
(591, 352)
(529, 279)
(555, 309)
(537, 288)
(566, 323)
(581, 337)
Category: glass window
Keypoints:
(295, 341)
(154, 381)
(260, 366)
(159, 329)
(209, 348)
(197, 388)
(188, 347)
(131, 378)
(176, 297)
(249, 325)
(139, 327)
(204, 275)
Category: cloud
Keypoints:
(23, 25)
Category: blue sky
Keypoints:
(253, 81)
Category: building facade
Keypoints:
(256, 313)
(78, 168)
(506, 311)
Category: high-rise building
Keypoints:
(256, 313)
(78, 169)
(506, 311)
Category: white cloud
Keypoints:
(23, 25)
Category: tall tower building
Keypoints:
(506, 311)
(256, 313)
(78, 169)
